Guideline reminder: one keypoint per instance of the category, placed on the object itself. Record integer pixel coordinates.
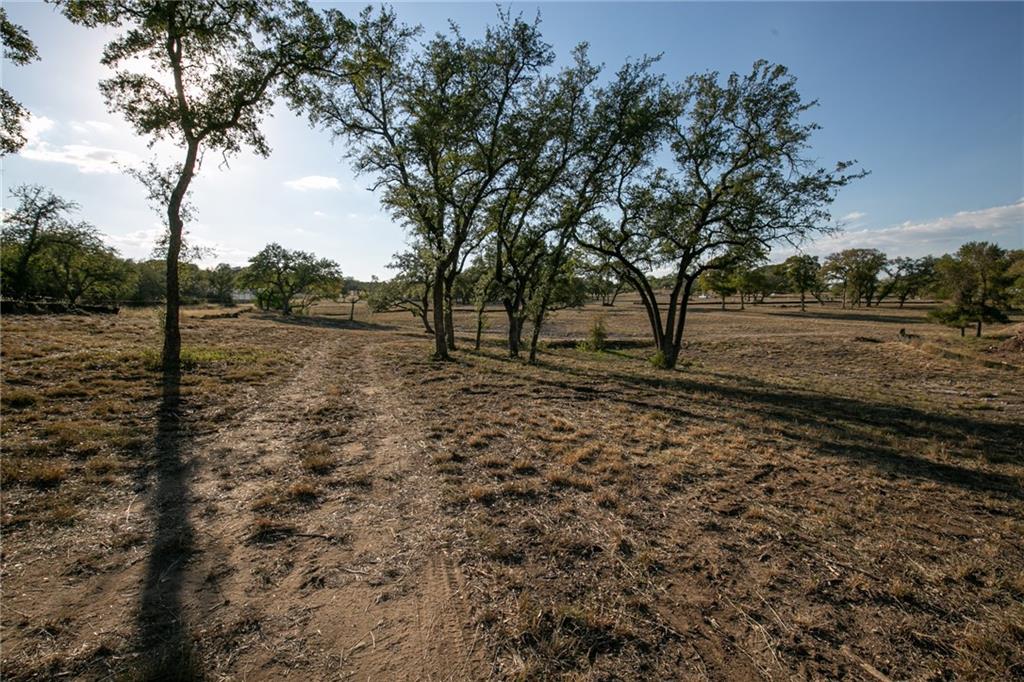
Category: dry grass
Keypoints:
(795, 501)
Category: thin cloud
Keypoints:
(1001, 224)
(86, 127)
(87, 158)
(853, 216)
(313, 182)
(137, 244)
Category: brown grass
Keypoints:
(792, 502)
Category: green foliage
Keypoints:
(741, 181)
(597, 337)
(854, 274)
(978, 283)
(18, 49)
(804, 274)
(197, 357)
(47, 255)
(907, 278)
(279, 276)
(222, 283)
(660, 361)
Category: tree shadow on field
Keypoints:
(321, 321)
(167, 650)
(837, 425)
(853, 317)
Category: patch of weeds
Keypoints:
(19, 399)
(266, 530)
(196, 357)
(32, 472)
(317, 459)
(597, 337)
(304, 492)
(561, 478)
(482, 494)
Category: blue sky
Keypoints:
(928, 96)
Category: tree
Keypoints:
(719, 282)
(222, 283)
(19, 49)
(79, 266)
(40, 219)
(221, 64)
(803, 273)
(279, 275)
(854, 272)
(562, 288)
(906, 278)
(1015, 274)
(740, 183)
(409, 289)
(560, 182)
(977, 283)
(603, 280)
(434, 126)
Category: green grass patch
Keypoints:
(198, 357)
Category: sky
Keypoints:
(927, 96)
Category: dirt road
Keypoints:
(302, 537)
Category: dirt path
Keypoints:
(301, 537)
(354, 584)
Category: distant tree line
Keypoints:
(46, 254)
(979, 283)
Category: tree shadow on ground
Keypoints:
(322, 321)
(853, 317)
(167, 650)
(850, 428)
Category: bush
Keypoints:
(597, 340)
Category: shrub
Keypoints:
(597, 339)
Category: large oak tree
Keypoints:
(741, 181)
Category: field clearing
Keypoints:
(806, 496)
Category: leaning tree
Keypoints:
(742, 181)
(203, 75)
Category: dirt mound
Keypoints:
(1016, 342)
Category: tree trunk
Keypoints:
(535, 337)
(351, 311)
(448, 305)
(440, 340)
(723, 303)
(669, 352)
(977, 330)
(803, 303)
(175, 225)
(479, 327)
(449, 326)
(514, 328)
(962, 331)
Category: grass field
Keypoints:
(806, 496)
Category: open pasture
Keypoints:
(807, 496)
